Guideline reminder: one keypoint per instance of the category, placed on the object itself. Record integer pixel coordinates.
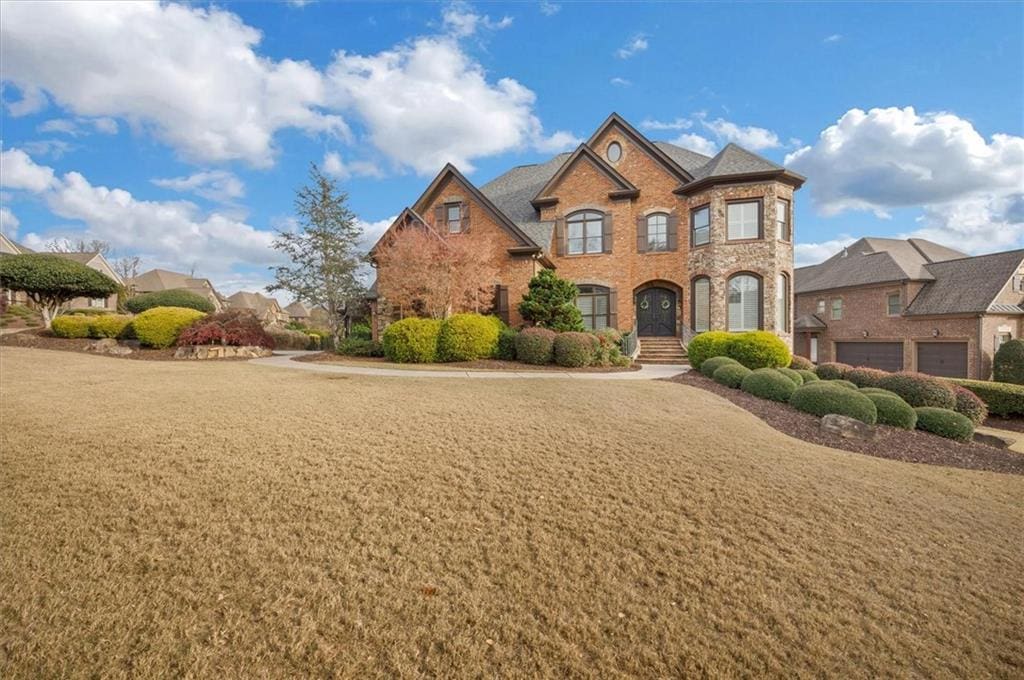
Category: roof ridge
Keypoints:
(972, 257)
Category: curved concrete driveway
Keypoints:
(285, 360)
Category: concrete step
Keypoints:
(671, 352)
(675, 362)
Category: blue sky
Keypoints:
(180, 132)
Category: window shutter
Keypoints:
(464, 214)
(613, 308)
(641, 234)
(439, 217)
(673, 232)
(560, 237)
(606, 233)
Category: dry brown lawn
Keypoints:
(231, 520)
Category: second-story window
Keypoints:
(783, 230)
(453, 217)
(837, 309)
(700, 226)
(821, 307)
(744, 220)
(657, 232)
(585, 232)
(892, 304)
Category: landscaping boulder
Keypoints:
(108, 346)
(846, 427)
(996, 440)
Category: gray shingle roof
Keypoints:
(734, 160)
(690, 161)
(966, 286)
(808, 322)
(513, 191)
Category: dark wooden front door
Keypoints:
(656, 312)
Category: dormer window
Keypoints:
(453, 217)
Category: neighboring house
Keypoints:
(92, 260)
(267, 309)
(298, 312)
(658, 239)
(910, 305)
(162, 279)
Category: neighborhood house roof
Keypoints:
(967, 285)
(162, 279)
(255, 301)
(297, 309)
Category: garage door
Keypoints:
(887, 356)
(948, 359)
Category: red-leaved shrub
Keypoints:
(863, 376)
(968, 404)
(238, 327)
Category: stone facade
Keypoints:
(221, 352)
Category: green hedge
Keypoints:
(109, 325)
(768, 383)
(1002, 399)
(573, 349)
(1008, 363)
(731, 375)
(178, 297)
(865, 377)
(160, 326)
(808, 375)
(707, 345)
(759, 349)
(878, 390)
(359, 347)
(71, 326)
(824, 397)
(711, 365)
(793, 375)
(918, 389)
(893, 411)
(535, 345)
(412, 340)
(832, 370)
(945, 423)
(468, 337)
(506, 349)
(801, 364)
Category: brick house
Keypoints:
(659, 239)
(910, 305)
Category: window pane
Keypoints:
(821, 306)
(600, 322)
(837, 309)
(742, 219)
(600, 304)
(594, 244)
(701, 305)
(894, 304)
(575, 230)
(575, 246)
(782, 219)
(781, 304)
(744, 298)
(701, 236)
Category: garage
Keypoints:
(887, 356)
(946, 359)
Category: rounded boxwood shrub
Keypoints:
(109, 325)
(968, 404)
(824, 397)
(862, 376)
(918, 389)
(878, 390)
(730, 374)
(1008, 363)
(707, 345)
(71, 326)
(468, 337)
(574, 350)
(832, 370)
(793, 375)
(759, 349)
(711, 365)
(893, 411)
(411, 340)
(843, 383)
(798, 363)
(768, 383)
(177, 297)
(945, 423)
(506, 348)
(535, 345)
(808, 375)
(160, 326)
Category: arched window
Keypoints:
(700, 301)
(657, 232)
(585, 232)
(782, 303)
(593, 303)
(744, 302)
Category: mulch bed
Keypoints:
(481, 364)
(892, 443)
(41, 339)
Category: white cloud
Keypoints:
(32, 99)
(8, 223)
(695, 142)
(190, 75)
(19, 171)
(107, 126)
(467, 117)
(54, 148)
(549, 8)
(677, 124)
(749, 137)
(461, 20)
(812, 253)
(834, 38)
(58, 125)
(298, 4)
(374, 230)
(638, 43)
(74, 128)
(215, 185)
(620, 82)
(333, 165)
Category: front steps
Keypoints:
(657, 350)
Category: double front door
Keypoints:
(656, 312)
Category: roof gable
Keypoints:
(652, 149)
(966, 286)
(624, 188)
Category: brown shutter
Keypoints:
(560, 237)
(606, 233)
(439, 217)
(501, 302)
(641, 234)
(613, 308)
(464, 214)
(673, 232)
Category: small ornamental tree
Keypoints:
(1009, 362)
(551, 303)
(51, 281)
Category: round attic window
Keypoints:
(614, 152)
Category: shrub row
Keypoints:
(1001, 399)
(178, 297)
(359, 347)
(91, 326)
(824, 397)
(754, 349)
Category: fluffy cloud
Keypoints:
(723, 131)
(813, 253)
(549, 9)
(215, 185)
(19, 171)
(749, 137)
(139, 61)
(333, 165)
(460, 20)
(468, 117)
(620, 82)
(638, 43)
(695, 142)
(8, 223)
(970, 189)
(677, 124)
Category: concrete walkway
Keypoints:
(285, 360)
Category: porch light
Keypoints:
(935, 332)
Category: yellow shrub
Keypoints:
(71, 326)
(160, 326)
